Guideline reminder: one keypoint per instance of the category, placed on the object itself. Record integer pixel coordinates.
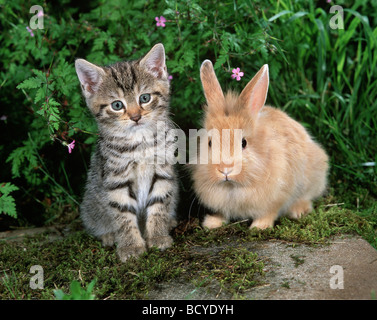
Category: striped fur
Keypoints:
(129, 201)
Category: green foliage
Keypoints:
(332, 78)
(7, 204)
(77, 292)
(324, 78)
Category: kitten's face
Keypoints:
(130, 96)
(127, 96)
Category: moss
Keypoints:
(298, 260)
(235, 269)
(317, 227)
(286, 285)
(198, 255)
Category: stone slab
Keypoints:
(298, 272)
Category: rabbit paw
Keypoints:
(161, 242)
(263, 223)
(300, 208)
(213, 221)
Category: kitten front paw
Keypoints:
(161, 242)
(127, 252)
(108, 239)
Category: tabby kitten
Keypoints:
(129, 200)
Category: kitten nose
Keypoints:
(135, 117)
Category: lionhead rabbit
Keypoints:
(279, 169)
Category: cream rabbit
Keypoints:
(279, 169)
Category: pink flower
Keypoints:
(40, 14)
(170, 77)
(30, 31)
(237, 74)
(71, 146)
(160, 21)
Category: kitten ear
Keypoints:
(90, 76)
(211, 86)
(254, 95)
(154, 61)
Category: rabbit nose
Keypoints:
(225, 171)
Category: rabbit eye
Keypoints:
(244, 143)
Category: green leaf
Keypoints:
(60, 295)
(297, 15)
(220, 60)
(278, 15)
(75, 289)
(18, 157)
(111, 42)
(188, 58)
(169, 12)
(7, 202)
(31, 83)
(40, 95)
(77, 292)
(7, 188)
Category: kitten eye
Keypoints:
(244, 143)
(144, 98)
(117, 105)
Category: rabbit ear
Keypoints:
(90, 76)
(211, 86)
(254, 95)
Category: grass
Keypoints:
(200, 257)
(329, 87)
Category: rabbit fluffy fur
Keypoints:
(281, 169)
